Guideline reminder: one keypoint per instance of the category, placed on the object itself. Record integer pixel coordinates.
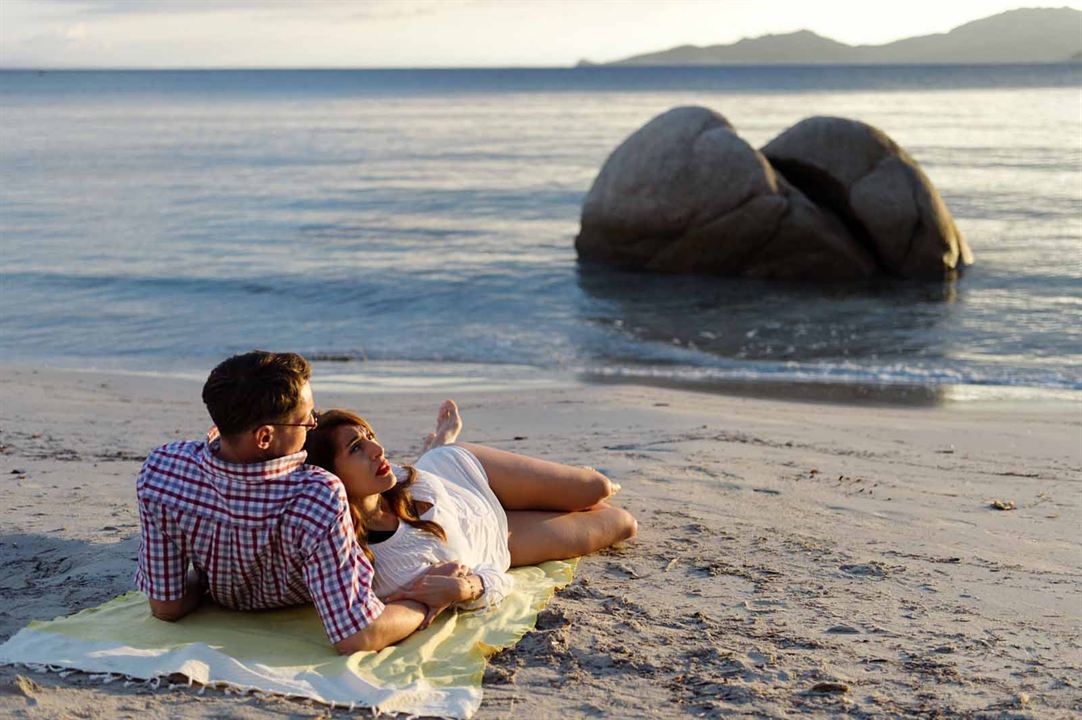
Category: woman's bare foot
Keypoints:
(448, 426)
(614, 487)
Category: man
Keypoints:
(261, 528)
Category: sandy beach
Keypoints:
(792, 558)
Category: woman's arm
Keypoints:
(441, 586)
(496, 583)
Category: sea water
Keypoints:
(421, 223)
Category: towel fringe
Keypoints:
(103, 678)
(156, 683)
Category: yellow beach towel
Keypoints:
(436, 671)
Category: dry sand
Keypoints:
(793, 558)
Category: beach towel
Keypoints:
(437, 671)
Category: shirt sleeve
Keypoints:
(162, 563)
(498, 585)
(422, 488)
(339, 579)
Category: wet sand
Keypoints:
(793, 557)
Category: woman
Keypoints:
(446, 530)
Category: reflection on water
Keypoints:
(838, 343)
(757, 320)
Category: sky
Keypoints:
(434, 33)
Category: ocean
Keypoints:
(417, 228)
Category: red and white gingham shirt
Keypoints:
(265, 534)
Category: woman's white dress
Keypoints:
(453, 480)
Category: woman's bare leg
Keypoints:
(554, 511)
(521, 482)
(537, 536)
(526, 483)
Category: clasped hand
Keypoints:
(437, 588)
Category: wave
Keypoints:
(848, 374)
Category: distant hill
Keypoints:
(1029, 35)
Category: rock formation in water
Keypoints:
(879, 191)
(685, 193)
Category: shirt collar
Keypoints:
(248, 472)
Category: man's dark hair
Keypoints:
(257, 387)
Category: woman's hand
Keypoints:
(438, 588)
(436, 591)
(452, 568)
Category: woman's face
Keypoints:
(359, 462)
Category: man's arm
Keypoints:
(339, 579)
(397, 621)
(173, 610)
(162, 566)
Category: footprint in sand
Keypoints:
(873, 569)
(842, 630)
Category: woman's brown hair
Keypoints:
(321, 451)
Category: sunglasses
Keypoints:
(311, 424)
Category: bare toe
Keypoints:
(448, 410)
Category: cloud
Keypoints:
(395, 9)
(353, 9)
(51, 47)
(360, 9)
(184, 7)
(75, 32)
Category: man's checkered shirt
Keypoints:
(265, 534)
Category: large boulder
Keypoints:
(684, 193)
(879, 191)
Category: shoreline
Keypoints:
(356, 376)
(778, 549)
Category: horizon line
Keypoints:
(578, 66)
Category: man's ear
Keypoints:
(264, 435)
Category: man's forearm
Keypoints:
(173, 610)
(398, 621)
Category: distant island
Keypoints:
(1028, 35)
